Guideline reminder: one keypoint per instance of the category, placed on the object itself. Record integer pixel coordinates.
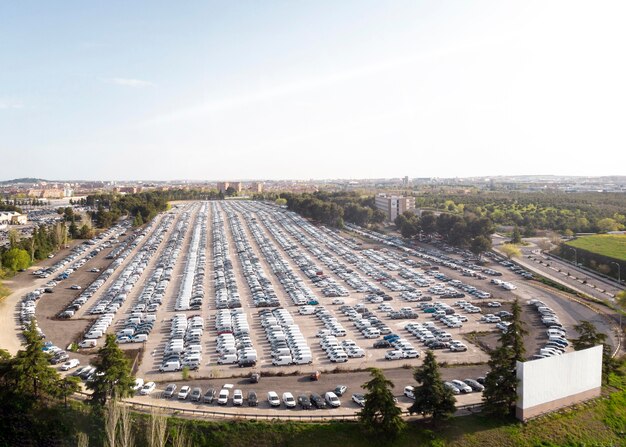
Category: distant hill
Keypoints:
(22, 180)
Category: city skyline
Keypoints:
(315, 90)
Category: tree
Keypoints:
(84, 232)
(380, 413)
(67, 386)
(230, 191)
(480, 244)
(431, 395)
(73, 230)
(31, 371)
(517, 236)
(114, 379)
(500, 394)
(138, 220)
(16, 259)
(588, 337)
(608, 224)
(510, 250)
(281, 202)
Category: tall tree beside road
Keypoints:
(432, 397)
(16, 259)
(500, 394)
(114, 379)
(517, 236)
(30, 369)
(510, 250)
(380, 414)
(588, 337)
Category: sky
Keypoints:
(227, 90)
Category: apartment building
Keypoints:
(392, 206)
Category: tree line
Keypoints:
(331, 208)
(21, 252)
(577, 212)
(466, 231)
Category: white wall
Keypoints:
(553, 378)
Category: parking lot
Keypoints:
(226, 288)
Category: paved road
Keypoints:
(576, 278)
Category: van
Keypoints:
(227, 359)
(306, 310)
(303, 360)
(140, 338)
(282, 360)
(170, 366)
(93, 334)
(248, 356)
(332, 400)
(281, 352)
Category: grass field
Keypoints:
(610, 245)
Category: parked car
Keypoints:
(209, 396)
(273, 399)
(318, 401)
(288, 400)
(170, 389)
(222, 399)
(340, 390)
(304, 402)
(238, 398)
(253, 400)
(359, 399)
(184, 392)
(196, 394)
(147, 388)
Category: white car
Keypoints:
(394, 355)
(87, 344)
(238, 397)
(273, 399)
(184, 392)
(288, 399)
(462, 386)
(222, 399)
(494, 304)
(138, 384)
(411, 354)
(147, 388)
(73, 363)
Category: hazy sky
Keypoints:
(311, 89)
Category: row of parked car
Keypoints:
(299, 293)
(229, 395)
(224, 283)
(140, 321)
(261, 290)
(434, 337)
(234, 344)
(556, 343)
(287, 344)
(184, 345)
(116, 294)
(191, 293)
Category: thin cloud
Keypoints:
(129, 82)
(6, 104)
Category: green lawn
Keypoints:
(610, 245)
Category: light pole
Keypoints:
(619, 271)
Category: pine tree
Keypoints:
(380, 413)
(138, 221)
(30, 369)
(431, 395)
(500, 394)
(113, 378)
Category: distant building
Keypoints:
(12, 218)
(405, 181)
(222, 186)
(392, 206)
(257, 187)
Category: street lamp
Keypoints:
(619, 271)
